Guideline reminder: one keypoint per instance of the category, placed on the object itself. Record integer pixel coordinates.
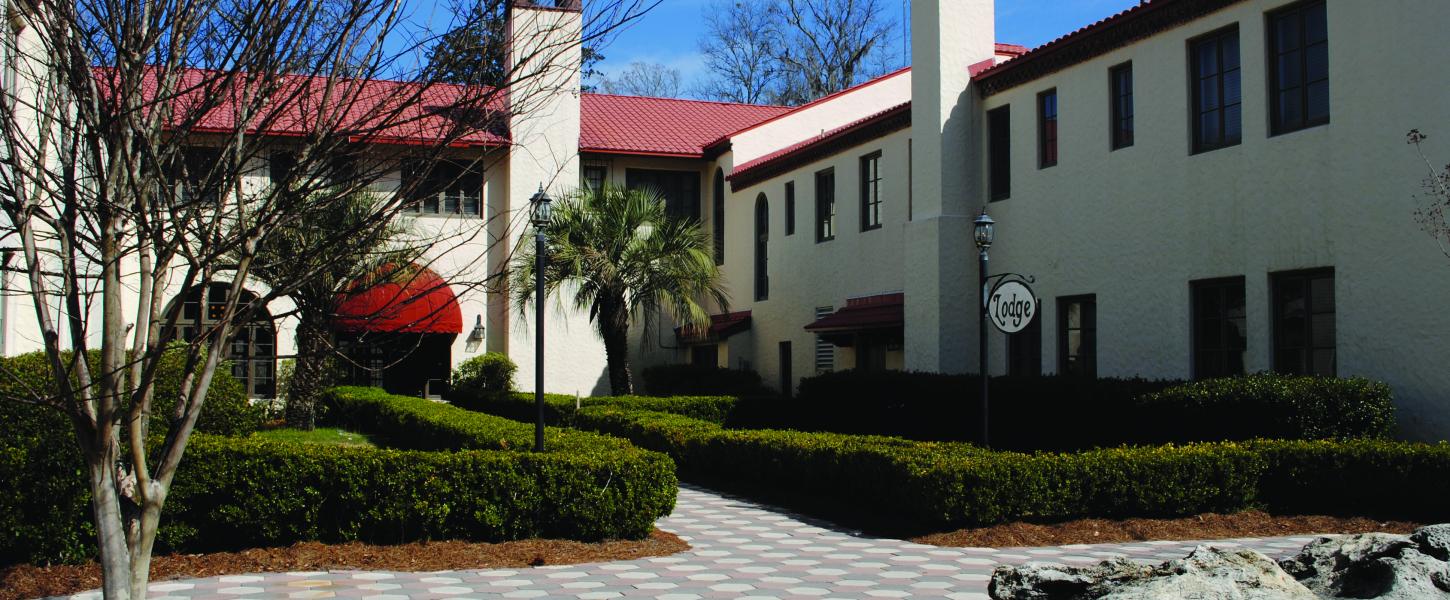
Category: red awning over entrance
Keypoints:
(721, 327)
(887, 311)
(408, 300)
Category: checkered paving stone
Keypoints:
(741, 549)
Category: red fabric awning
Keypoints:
(408, 300)
(721, 327)
(887, 311)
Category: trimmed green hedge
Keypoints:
(237, 493)
(559, 409)
(694, 380)
(46, 515)
(419, 424)
(1068, 413)
(942, 485)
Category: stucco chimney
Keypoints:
(947, 37)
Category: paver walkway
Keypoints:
(741, 549)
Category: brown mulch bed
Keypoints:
(25, 581)
(1207, 526)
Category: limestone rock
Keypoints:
(1375, 565)
(1433, 540)
(1206, 574)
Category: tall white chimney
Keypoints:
(948, 36)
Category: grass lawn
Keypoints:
(321, 435)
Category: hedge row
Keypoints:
(239, 493)
(559, 409)
(696, 380)
(942, 485)
(45, 514)
(418, 424)
(1066, 413)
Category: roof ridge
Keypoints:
(690, 100)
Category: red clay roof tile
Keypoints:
(661, 126)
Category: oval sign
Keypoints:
(1012, 306)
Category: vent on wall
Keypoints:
(825, 351)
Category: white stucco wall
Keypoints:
(821, 115)
(1136, 225)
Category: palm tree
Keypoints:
(623, 257)
(357, 244)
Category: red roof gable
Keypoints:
(661, 126)
(820, 146)
(378, 111)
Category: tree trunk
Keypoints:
(309, 375)
(114, 552)
(614, 328)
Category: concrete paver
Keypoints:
(740, 549)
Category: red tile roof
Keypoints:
(374, 111)
(1012, 49)
(662, 126)
(821, 146)
(886, 311)
(721, 326)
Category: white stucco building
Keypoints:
(1198, 187)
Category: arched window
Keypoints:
(253, 352)
(762, 240)
(718, 222)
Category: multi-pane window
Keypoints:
(1077, 336)
(1120, 84)
(825, 350)
(826, 205)
(594, 176)
(1304, 328)
(999, 153)
(871, 191)
(253, 352)
(194, 174)
(1047, 129)
(1024, 348)
(449, 188)
(790, 208)
(679, 189)
(762, 248)
(1217, 94)
(718, 221)
(1219, 328)
(1299, 67)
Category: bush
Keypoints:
(1275, 406)
(944, 485)
(694, 380)
(1067, 413)
(486, 375)
(419, 424)
(46, 516)
(234, 493)
(559, 409)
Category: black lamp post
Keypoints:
(541, 213)
(983, 235)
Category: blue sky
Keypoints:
(670, 33)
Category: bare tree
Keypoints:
(132, 138)
(1434, 213)
(644, 79)
(794, 51)
(740, 46)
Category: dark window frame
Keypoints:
(999, 153)
(1211, 360)
(458, 184)
(717, 224)
(1120, 102)
(825, 205)
(789, 208)
(762, 248)
(1087, 330)
(1278, 282)
(1277, 51)
(684, 182)
(1219, 38)
(1047, 129)
(255, 366)
(590, 182)
(870, 167)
